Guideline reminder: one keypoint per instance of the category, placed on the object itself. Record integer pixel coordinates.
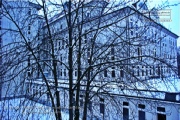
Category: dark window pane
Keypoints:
(125, 114)
(161, 116)
(105, 73)
(113, 73)
(141, 106)
(161, 109)
(141, 115)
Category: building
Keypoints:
(17, 28)
(128, 59)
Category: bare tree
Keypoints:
(94, 51)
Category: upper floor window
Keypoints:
(105, 73)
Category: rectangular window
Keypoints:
(161, 109)
(121, 73)
(102, 105)
(125, 114)
(61, 72)
(90, 105)
(61, 59)
(112, 51)
(141, 115)
(141, 106)
(85, 35)
(147, 70)
(131, 23)
(142, 71)
(88, 52)
(29, 12)
(125, 104)
(81, 100)
(64, 72)
(131, 32)
(161, 116)
(139, 50)
(75, 72)
(74, 100)
(112, 57)
(60, 26)
(105, 73)
(113, 73)
(138, 71)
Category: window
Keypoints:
(141, 112)
(88, 14)
(136, 27)
(145, 37)
(74, 100)
(142, 70)
(112, 51)
(29, 73)
(63, 43)
(137, 70)
(90, 105)
(48, 96)
(29, 29)
(161, 116)
(81, 100)
(159, 71)
(85, 34)
(136, 34)
(59, 45)
(125, 114)
(161, 109)
(61, 26)
(64, 72)
(125, 104)
(29, 12)
(75, 72)
(61, 72)
(113, 73)
(139, 50)
(105, 73)
(147, 70)
(125, 111)
(88, 52)
(102, 105)
(131, 23)
(141, 115)
(112, 57)
(154, 52)
(131, 32)
(141, 106)
(61, 59)
(121, 72)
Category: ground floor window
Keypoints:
(161, 116)
(141, 115)
(125, 114)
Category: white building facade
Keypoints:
(134, 59)
(18, 28)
